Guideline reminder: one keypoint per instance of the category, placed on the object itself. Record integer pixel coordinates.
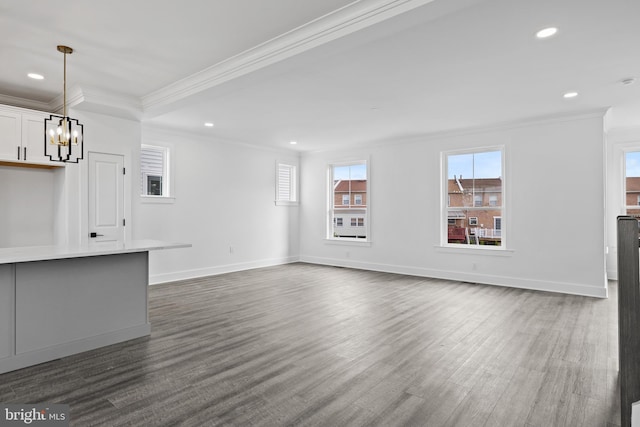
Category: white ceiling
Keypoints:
(325, 73)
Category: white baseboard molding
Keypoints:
(35, 357)
(155, 279)
(514, 282)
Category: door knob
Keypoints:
(94, 234)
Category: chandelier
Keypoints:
(63, 139)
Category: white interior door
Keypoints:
(106, 197)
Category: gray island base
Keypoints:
(57, 301)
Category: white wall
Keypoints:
(28, 205)
(554, 213)
(224, 206)
(103, 134)
(224, 198)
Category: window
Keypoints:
(338, 222)
(348, 182)
(154, 185)
(497, 224)
(286, 185)
(474, 198)
(632, 183)
(154, 171)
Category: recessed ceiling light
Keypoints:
(546, 32)
(209, 124)
(35, 76)
(570, 95)
(293, 142)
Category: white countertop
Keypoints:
(43, 253)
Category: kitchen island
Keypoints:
(60, 300)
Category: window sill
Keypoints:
(348, 242)
(285, 203)
(157, 199)
(475, 250)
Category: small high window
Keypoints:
(286, 184)
(154, 171)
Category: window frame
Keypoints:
(167, 195)
(293, 199)
(445, 202)
(366, 217)
(496, 220)
(635, 148)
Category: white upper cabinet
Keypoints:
(10, 134)
(22, 135)
(33, 137)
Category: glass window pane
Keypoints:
(632, 180)
(349, 200)
(474, 199)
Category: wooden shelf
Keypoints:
(20, 164)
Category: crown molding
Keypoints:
(162, 133)
(24, 103)
(334, 25)
(75, 97)
(425, 137)
(99, 101)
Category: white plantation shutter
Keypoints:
(152, 165)
(286, 183)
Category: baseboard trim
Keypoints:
(513, 282)
(155, 279)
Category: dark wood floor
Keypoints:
(311, 345)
